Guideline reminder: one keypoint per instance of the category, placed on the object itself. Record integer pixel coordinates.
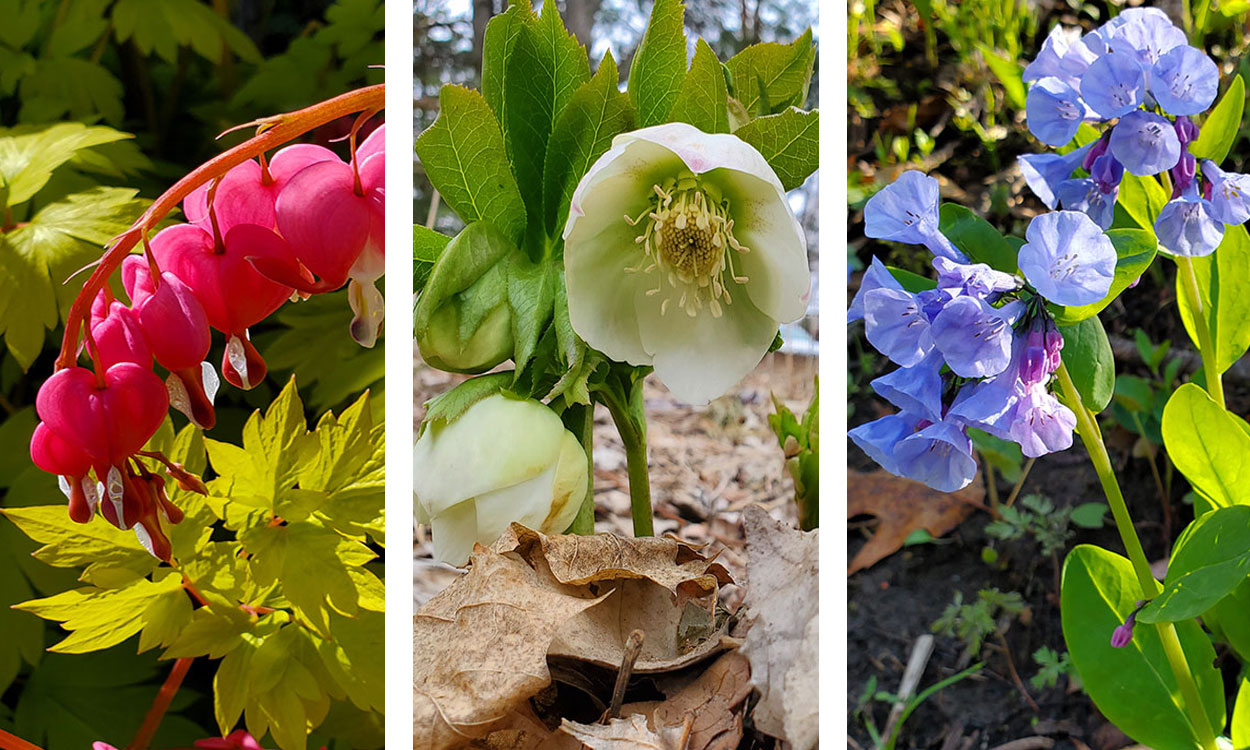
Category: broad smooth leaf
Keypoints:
(659, 66)
(1224, 291)
(1239, 722)
(1228, 620)
(1132, 686)
(704, 99)
(1207, 445)
(463, 154)
(1219, 130)
(1135, 251)
(1087, 355)
(594, 116)
(770, 77)
(1142, 198)
(1213, 559)
(789, 143)
(973, 235)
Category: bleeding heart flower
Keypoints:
(71, 465)
(117, 334)
(362, 293)
(327, 223)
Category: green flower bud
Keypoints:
(463, 320)
(502, 460)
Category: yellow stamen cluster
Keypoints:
(685, 237)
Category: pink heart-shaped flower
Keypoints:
(324, 220)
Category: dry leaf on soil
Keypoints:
(619, 734)
(782, 644)
(660, 586)
(480, 648)
(713, 704)
(903, 506)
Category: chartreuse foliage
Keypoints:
(274, 574)
(513, 154)
(46, 234)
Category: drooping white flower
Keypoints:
(682, 252)
(502, 460)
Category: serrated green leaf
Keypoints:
(659, 65)
(163, 26)
(450, 404)
(427, 245)
(1220, 129)
(789, 142)
(463, 154)
(354, 658)
(21, 22)
(213, 631)
(29, 155)
(531, 293)
(498, 44)
(100, 618)
(546, 67)
(60, 86)
(770, 77)
(704, 98)
(37, 257)
(597, 112)
(72, 545)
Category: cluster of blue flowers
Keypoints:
(1138, 71)
(979, 348)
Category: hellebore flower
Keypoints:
(1114, 85)
(916, 389)
(1187, 226)
(1067, 258)
(1045, 172)
(1053, 111)
(1145, 143)
(1185, 81)
(1229, 194)
(974, 337)
(502, 460)
(681, 251)
(876, 277)
(906, 210)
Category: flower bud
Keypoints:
(463, 321)
(502, 460)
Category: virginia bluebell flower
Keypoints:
(940, 455)
(879, 437)
(974, 279)
(1044, 172)
(1113, 86)
(1095, 196)
(916, 389)
(974, 337)
(897, 324)
(877, 276)
(1054, 111)
(1148, 36)
(1187, 226)
(1229, 193)
(1145, 143)
(1067, 258)
(906, 210)
(1049, 60)
(1185, 81)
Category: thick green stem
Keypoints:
(1210, 367)
(1091, 436)
(584, 524)
(634, 436)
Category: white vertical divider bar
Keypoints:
(399, 291)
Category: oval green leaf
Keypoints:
(1087, 355)
(1213, 560)
(973, 235)
(1208, 446)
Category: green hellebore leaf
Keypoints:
(789, 143)
(659, 66)
(704, 99)
(770, 77)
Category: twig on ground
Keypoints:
(916, 663)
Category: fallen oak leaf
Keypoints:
(713, 704)
(480, 648)
(902, 507)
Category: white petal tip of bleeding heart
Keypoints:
(63, 483)
(238, 360)
(145, 539)
(211, 382)
(178, 398)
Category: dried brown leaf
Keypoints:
(903, 506)
(619, 734)
(712, 704)
(782, 641)
(480, 648)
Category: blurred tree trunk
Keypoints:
(483, 10)
(579, 17)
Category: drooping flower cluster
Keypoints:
(976, 350)
(305, 222)
(1138, 73)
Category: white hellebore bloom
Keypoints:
(681, 251)
(502, 460)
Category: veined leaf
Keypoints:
(28, 155)
(463, 154)
(789, 142)
(1219, 130)
(770, 77)
(1212, 560)
(1207, 445)
(100, 618)
(59, 86)
(427, 245)
(594, 116)
(162, 26)
(72, 545)
(704, 99)
(1224, 291)
(498, 44)
(659, 66)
